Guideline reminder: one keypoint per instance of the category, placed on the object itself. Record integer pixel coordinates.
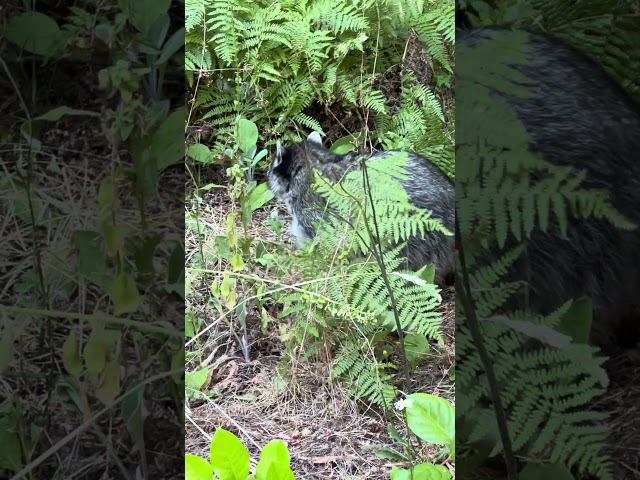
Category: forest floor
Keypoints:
(266, 397)
(54, 424)
(329, 435)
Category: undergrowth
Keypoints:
(366, 73)
(512, 372)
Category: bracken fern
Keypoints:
(504, 193)
(345, 303)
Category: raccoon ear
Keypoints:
(278, 160)
(314, 137)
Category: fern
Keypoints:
(281, 57)
(505, 194)
(346, 303)
(606, 31)
(193, 13)
(419, 125)
(225, 28)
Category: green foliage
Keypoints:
(278, 66)
(19, 436)
(84, 253)
(548, 382)
(269, 62)
(420, 126)
(229, 459)
(345, 300)
(37, 33)
(606, 31)
(237, 250)
(432, 419)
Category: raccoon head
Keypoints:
(289, 177)
(290, 172)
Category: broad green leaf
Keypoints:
(124, 294)
(247, 134)
(156, 35)
(544, 333)
(197, 468)
(104, 32)
(229, 457)
(194, 381)
(106, 196)
(189, 323)
(200, 153)
(387, 453)
(236, 262)
(34, 32)
(145, 252)
(171, 46)
(175, 269)
(423, 471)
(274, 462)
(132, 404)
(111, 237)
(278, 471)
(145, 164)
(431, 418)
(68, 388)
(57, 113)
(226, 286)
(230, 300)
(429, 273)
(143, 13)
(70, 355)
(223, 245)
(177, 363)
(344, 145)
(109, 387)
(416, 346)
(10, 452)
(259, 196)
(576, 322)
(95, 351)
(167, 146)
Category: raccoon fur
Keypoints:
(577, 117)
(290, 177)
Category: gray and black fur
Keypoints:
(290, 176)
(579, 117)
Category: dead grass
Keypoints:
(43, 297)
(66, 195)
(622, 400)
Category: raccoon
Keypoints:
(290, 177)
(577, 117)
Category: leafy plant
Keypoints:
(532, 375)
(113, 264)
(270, 62)
(431, 419)
(237, 248)
(228, 458)
(353, 299)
